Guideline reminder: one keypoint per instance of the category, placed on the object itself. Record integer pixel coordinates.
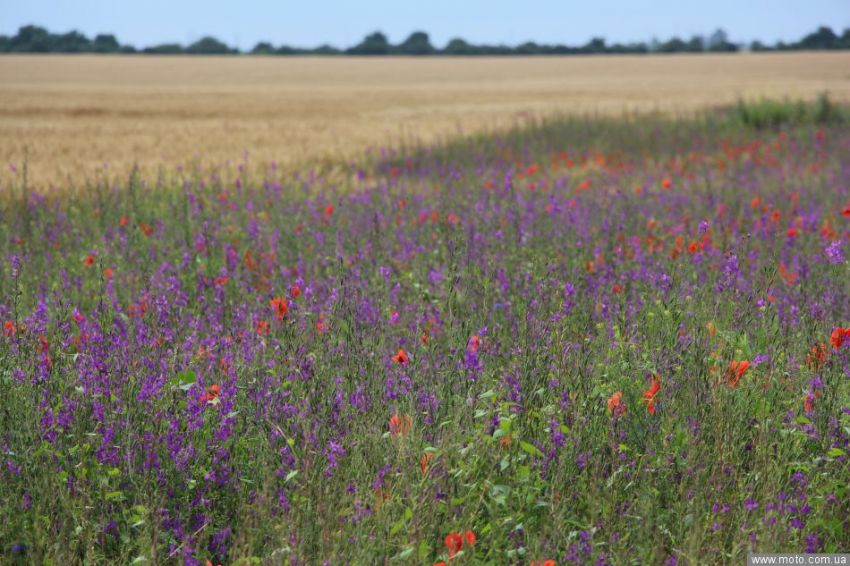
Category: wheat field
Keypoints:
(75, 118)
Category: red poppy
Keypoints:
(827, 231)
(9, 329)
(736, 371)
(817, 356)
(400, 425)
(220, 281)
(616, 405)
(280, 306)
(88, 261)
(329, 210)
(320, 323)
(146, 229)
(401, 357)
(649, 394)
(250, 264)
(792, 232)
(425, 461)
(809, 403)
(123, 221)
(296, 290)
(454, 542)
(424, 339)
(107, 273)
(666, 184)
(838, 336)
(846, 211)
(211, 394)
(469, 537)
(474, 343)
(262, 327)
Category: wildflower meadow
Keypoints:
(584, 341)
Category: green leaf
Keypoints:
(399, 525)
(424, 551)
(531, 449)
(836, 452)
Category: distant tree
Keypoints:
(558, 49)
(595, 45)
(672, 45)
(287, 50)
(417, 43)
(326, 49)
(373, 44)
(263, 48)
(35, 39)
(164, 49)
(71, 42)
(823, 38)
(497, 50)
(458, 46)
(626, 48)
(695, 45)
(31, 39)
(528, 48)
(719, 42)
(105, 43)
(209, 45)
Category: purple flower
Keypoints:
(834, 253)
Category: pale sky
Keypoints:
(308, 23)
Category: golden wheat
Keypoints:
(74, 114)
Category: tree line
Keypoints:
(35, 39)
